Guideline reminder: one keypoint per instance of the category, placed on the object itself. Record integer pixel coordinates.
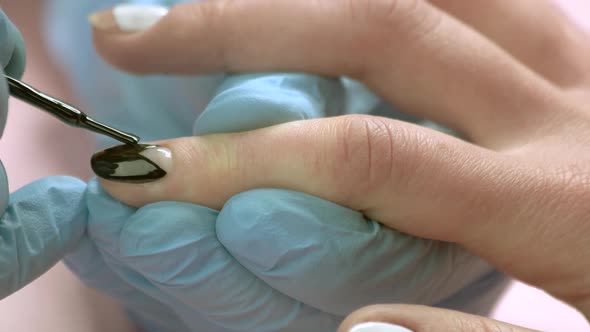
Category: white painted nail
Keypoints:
(378, 327)
(128, 18)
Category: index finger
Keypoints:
(408, 51)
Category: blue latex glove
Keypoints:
(43, 220)
(271, 260)
(12, 62)
(12, 52)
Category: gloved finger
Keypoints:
(4, 192)
(247, 102)
(3, 104)
(147, 312)
(12, 48)
(42, 223)
(285, 237)
(12, 62)
(194, 268)
(171, 249)
(95, 262)
(544, 39)
(414, 48)
(413, 318)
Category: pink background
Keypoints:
(58, 302)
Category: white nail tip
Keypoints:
(378, 327)
(134, 18)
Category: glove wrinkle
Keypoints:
(43, 222)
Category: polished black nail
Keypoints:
(134, 163)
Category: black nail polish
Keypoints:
(133, 163)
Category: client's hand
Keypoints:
(516, 194)
(270, 260)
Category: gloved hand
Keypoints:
(43, 220)
(12, 62)
(270, 260)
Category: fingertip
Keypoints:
(16, 66)
(127, 18)
(378, 327)
(122, 35)
(200, 170)
(134, 174)
(377, 313)
(402, 317)
(12, 54)
(145, 39)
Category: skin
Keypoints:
(515, 191)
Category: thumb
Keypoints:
(414, 318)
(398, 173)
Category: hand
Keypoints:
(12, 49)
(43, 220)
(517, 195)
(180, 267)
(12, 55)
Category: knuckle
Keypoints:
(406, 17)
(374, 152)
(365, 151)
(407, 21)
(381, 9)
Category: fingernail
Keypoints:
(378, 327)
(134, 163)
(128, 18)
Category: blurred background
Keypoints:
(35, 145)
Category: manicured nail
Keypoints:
(128, 18)
(134, 163)
(378, 327)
